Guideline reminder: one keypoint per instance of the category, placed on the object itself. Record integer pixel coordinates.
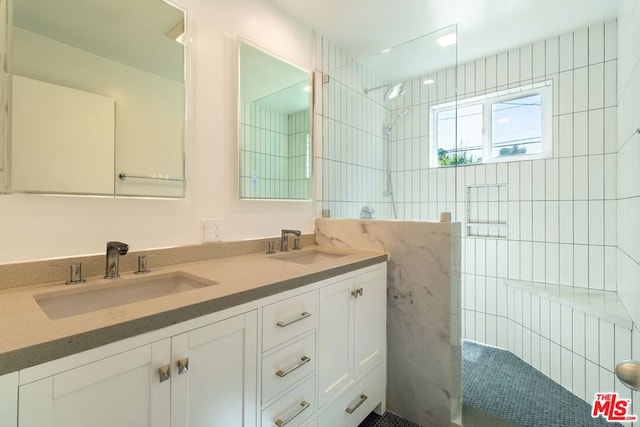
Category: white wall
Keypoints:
(35, 227)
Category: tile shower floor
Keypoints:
(497, 385)
(471, 418)
(386, 420)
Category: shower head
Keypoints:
(393, 90)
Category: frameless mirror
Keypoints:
(97, 98)
(274, 126)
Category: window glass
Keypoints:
(517, 127)
(469, 146)
(509, 125)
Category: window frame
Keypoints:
(544, 89)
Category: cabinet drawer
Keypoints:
(287, 366)
(357, 402)
(294, 408)
(289, 318)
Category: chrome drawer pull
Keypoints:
(303, 361)
(303, 405)
(164, 373)
(351, 409)
(302, 316)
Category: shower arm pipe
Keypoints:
(367, 90)
(393, 90)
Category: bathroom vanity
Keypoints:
(295, 339)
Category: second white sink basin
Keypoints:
(85, 300)
(307, 257)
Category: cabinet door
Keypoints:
(9, 400)
(370, 321)
(218, 388)
(335, 339)
(121, 390)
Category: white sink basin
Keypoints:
(63, 304)
(308, 257)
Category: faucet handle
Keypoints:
(142, 264)
(270, 247)
(75, 274)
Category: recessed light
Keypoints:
(386, 50)
(307, 88)
(428, 82)
(447, 40)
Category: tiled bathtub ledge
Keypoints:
(605, 305)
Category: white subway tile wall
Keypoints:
(562, 214)
(628, 175)
(300, 156)
(350, 159)
(572, 219)
(274, 153)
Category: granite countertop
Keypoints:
(29, 337)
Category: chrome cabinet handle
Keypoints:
(164, 372)
(351, 409)
(183, 366)
(358, 292)
(302, 316)
(303, 405)
(303, 361)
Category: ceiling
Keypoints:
(363, 27)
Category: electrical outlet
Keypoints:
(212, 230)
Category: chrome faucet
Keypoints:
(114, 250)
(284, 238)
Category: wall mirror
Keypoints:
(97, 98)
(275, 144)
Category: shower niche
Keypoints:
(274, 135)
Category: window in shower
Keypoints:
(513, 124)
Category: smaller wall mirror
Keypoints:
(274, 103)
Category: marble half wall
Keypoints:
(423, 310)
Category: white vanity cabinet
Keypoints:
(289, 361)
(186, 380)
(9, 399)
(217, 386)
(122, 389)
(312, 356)
(352, 331)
